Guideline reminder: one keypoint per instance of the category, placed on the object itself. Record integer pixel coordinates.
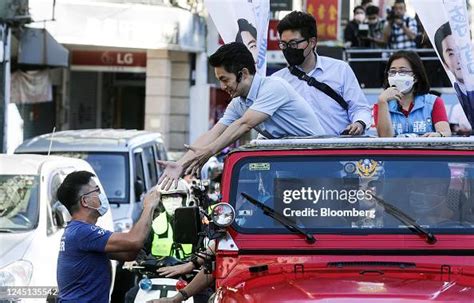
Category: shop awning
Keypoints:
(38, 47)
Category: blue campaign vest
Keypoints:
(419, 119)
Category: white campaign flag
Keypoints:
(243, 21)
(446, 23)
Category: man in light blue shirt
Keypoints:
(298, 34)
(268, 105)
(288, 114)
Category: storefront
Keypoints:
(132, 65)
(107, 89)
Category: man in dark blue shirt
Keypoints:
(83, 271)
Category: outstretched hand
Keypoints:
(201, 155)
(171, 174)
(151, 199)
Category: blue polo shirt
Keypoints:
(290, 115)
(84, 270)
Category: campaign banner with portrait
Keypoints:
(446, 23)
(243, 21)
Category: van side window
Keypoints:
(161, 151)
(151, 164)
(139, 172)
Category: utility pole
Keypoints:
(4, 83)
(13, 14)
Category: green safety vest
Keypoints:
(161, 246)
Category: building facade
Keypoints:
(132, 65)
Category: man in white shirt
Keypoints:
(298, 39)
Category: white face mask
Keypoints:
(403, 83)
(360, 17)
(171, 203)
(104, 204)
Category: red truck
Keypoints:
(347, 220)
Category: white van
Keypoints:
(31, 220)
(124, 159)
(125, 162)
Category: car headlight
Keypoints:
(17, 273)
(123, 225)
(223, 214)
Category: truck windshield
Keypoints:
(111, 168)
(343, 194)
(18, 202)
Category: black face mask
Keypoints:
(294, 56)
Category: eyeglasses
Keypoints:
(90, 192)
(292, 44)
(402, 72)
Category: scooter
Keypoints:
(152, 286)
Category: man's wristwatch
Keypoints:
(362, 123)
(184, 294)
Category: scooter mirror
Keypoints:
(186, 225)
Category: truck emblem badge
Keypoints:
(366, 168)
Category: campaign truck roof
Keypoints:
(446, 143)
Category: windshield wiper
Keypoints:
(406, 219)
(6, 230)
(289, 224)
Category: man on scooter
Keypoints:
(160, 241)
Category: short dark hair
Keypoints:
(358, 7)
(422, 85)
(399, 2)
(68, 191)
(233, 57)
(245, 26)
(441, 33)
(372, 10)
(365, 2)
(299, 21)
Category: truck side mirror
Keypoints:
(61, 214)
(186, 225)
(139, 189)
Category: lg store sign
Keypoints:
(109, 61)
(117, 58)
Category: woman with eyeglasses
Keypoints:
(406, 106)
